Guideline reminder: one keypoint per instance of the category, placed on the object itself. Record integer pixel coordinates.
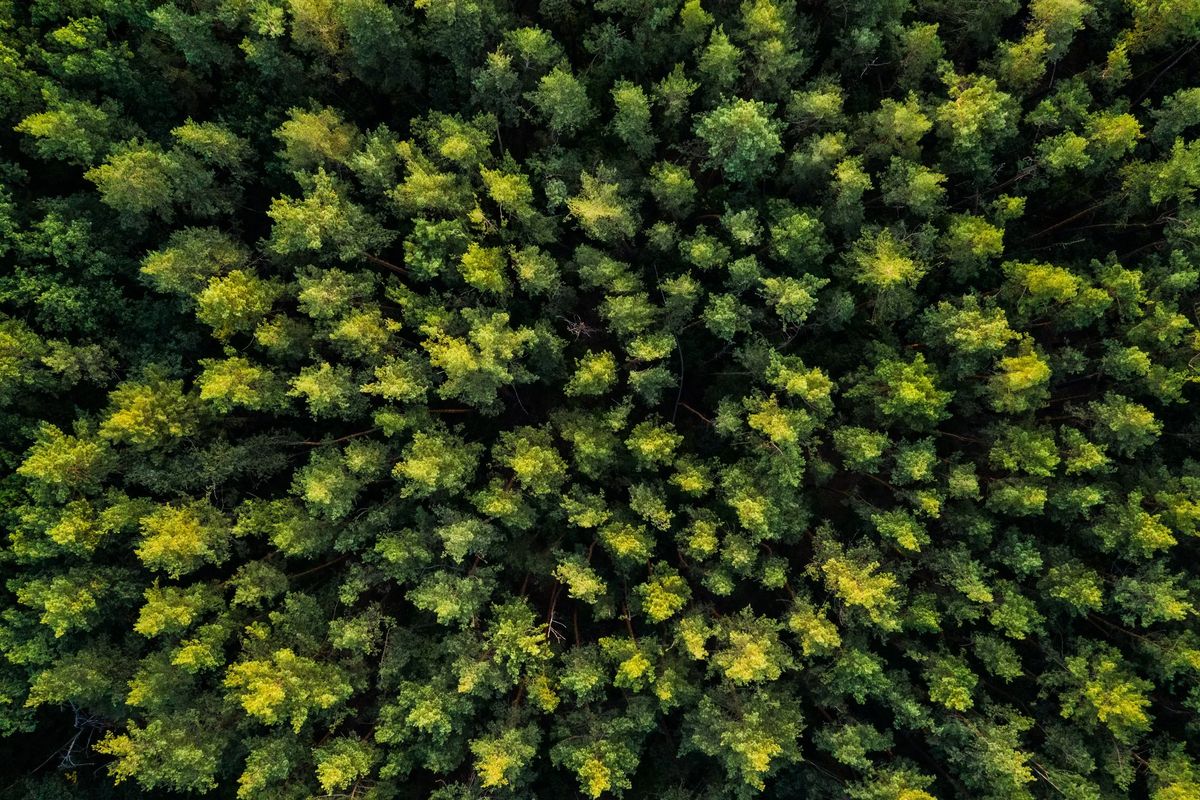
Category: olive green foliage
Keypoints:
(683, 399)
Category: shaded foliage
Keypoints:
(698, 399)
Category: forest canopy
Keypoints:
(701, 400)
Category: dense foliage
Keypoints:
(689, 400)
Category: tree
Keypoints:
(324, 221)
(741, 137)
(562, 102)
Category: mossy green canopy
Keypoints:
(700, 400)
